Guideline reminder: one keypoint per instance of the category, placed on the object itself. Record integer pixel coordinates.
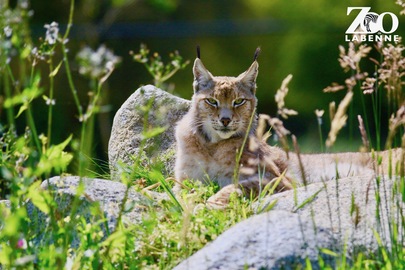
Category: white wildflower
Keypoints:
(88, 253)
(97, 64)
(23, 4)
(319, 114)
(52, 32)
(8, 31)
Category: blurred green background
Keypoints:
(298, 37)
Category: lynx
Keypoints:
(212, 133)
(220, 126)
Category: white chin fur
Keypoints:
(217, 135)
(224, 135)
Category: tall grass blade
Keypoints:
(308, 200)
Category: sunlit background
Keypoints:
(296, 37)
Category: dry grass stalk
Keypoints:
(350, 83)
(277, 125)
(262, 132)
(402, 4)
(298, 152)
(335, 87)
(395, 122)
(391, 71)
(350, 60)
(402, 161)
(332, 110)
(364, 138)
(339, 119)
(280, 96)
(281, 132)
(368, 86)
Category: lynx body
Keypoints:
(221, 124)
(209, 137)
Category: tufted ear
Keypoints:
(202, 77)
(248, 78)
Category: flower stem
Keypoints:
(51, 85)
(7, 92)
(70, 81)
(30, 119)
(320, 135)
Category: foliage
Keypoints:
(160, 71)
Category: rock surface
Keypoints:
(106, 195)
(322, 215)
(131, 119)
(348, 207)
(273, 240)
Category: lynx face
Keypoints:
(223, 105)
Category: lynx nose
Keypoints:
(225, 121)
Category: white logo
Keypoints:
(368, 22)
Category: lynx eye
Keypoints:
(211, 101)
(238, 102)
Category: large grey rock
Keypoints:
(273, 240)
(338, 215)
(107, 196)
(130, 121)
(348, 207)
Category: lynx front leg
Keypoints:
(248, 188)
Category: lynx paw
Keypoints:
(221, 199)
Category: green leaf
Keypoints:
(328, 252)
(268, 207)
(23, 108)
(308, 200)
(26, 51)
(153, 132)
(39, 197)
(308, 264)
(272, 186)
(27, 95)
(5, 253)
(118, 236)
(56, 70)
(55, 158)
(155, 174)
(13, 222)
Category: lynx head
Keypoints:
(223, 106)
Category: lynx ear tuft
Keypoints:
(202, 77)
(248, 78)
(257, 53)
(198, 52)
